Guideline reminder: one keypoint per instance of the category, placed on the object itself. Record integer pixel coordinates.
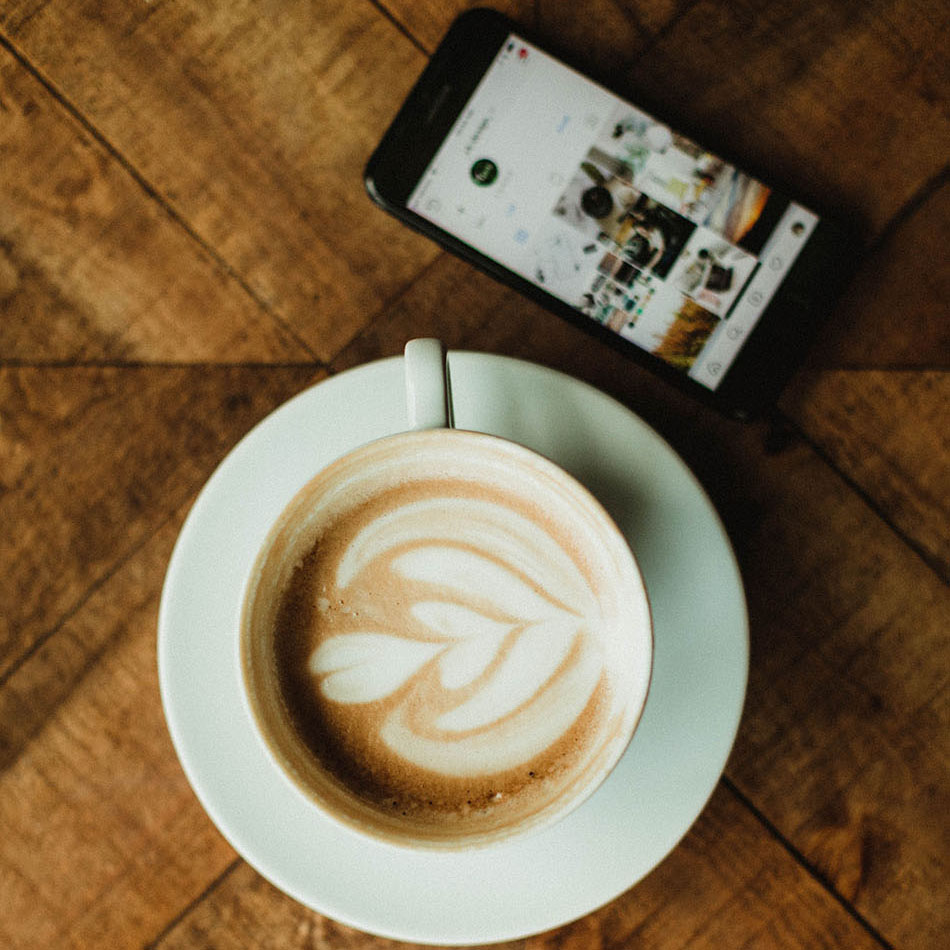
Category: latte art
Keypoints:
(445, 637)
(491, 648)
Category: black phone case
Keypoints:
(785, 330)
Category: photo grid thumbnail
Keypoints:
(669, 235)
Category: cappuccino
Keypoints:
(446, 639)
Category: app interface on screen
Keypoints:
(612, 212)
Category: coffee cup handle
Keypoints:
(428, 393)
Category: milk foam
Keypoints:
(454, 630)
(498, 607)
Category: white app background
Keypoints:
(610, 211)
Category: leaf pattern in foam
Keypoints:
(535, 656)
(511, 742)
(521, 543)
(365, 667)
(478, 639)
(474, 578)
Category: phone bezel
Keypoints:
(788, 324)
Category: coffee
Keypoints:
(447, 637)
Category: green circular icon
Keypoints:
(484, 171)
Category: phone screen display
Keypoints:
(612, 212)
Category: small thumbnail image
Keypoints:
(600, 202)
(741, 204)
(690, 181)
(632, 136)
(650, 235)
(712, 271)
(599, 193)
(685, 335)
(666, 165)
(618, 269)
(617, 306)
(564, 263)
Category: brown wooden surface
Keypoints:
(185, 243)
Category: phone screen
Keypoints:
(612, 212)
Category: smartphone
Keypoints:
(609, 216)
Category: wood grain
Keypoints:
(427, 21)
(893, 314)
(252, 124)
(841, 742)
(884, 359)
(91, 268)
(860, 419)
(450, 300)
(103, 838)
(96, 459)
(798, 90)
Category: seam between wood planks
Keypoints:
(152, 192)
(808, 866)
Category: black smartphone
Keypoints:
(609, 216)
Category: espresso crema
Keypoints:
(448, 635)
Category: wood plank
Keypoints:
(103, 839)
(469, 310)
(605, 37)
(451, 300)
(884, 359)
(843, 744)
(427, 21)
(860, 420)
(843, 102)
(92, 268)
(93, 460)
(729, 884)
(892, 314)
(609, 35)
(252, 124)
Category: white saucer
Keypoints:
(544, 880)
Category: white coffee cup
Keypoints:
(445, 640)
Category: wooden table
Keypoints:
(185, 243)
